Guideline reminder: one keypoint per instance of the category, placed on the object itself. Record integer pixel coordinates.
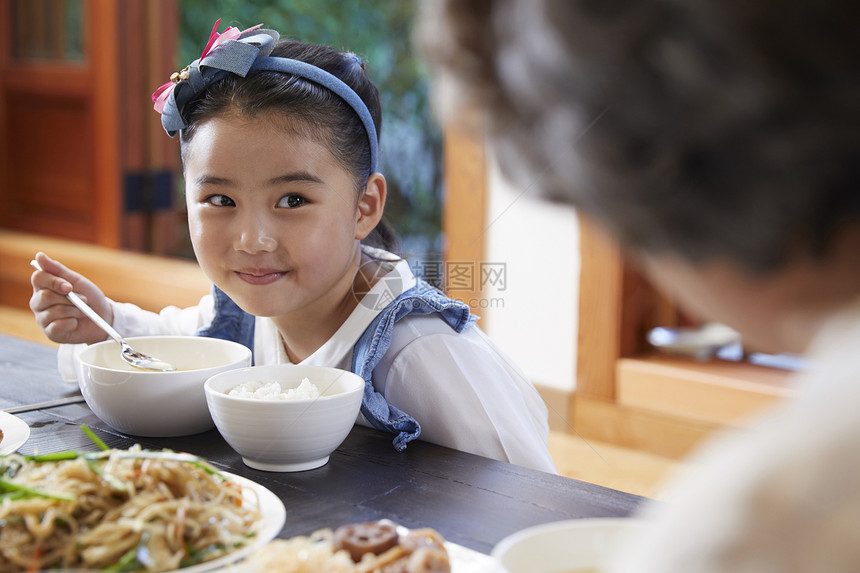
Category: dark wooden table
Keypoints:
(471, 500)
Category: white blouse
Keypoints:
(461, 388)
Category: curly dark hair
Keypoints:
(705, 128)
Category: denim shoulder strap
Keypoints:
(374, 342)
(230, 322)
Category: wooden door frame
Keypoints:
(464, 212)
(102, 18)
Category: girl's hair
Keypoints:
(309, 109)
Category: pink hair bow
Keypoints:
(160, 96)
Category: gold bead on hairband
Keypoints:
(177, 77)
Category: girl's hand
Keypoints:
(61, 321)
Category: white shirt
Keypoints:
(781, 496)
(463, 391)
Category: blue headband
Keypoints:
(330, 82)
(249, 52)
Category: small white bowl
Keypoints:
(286, 435)
(575, 545)
(150, 403)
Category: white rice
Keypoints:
(273, 391)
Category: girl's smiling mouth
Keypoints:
(260, 276)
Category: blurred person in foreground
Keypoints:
(719, 142)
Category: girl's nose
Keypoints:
(255, 237)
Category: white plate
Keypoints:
(272, 520)
(15, 433)
(465, 560)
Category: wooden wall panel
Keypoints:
(718, 392)
(50, 191)
(152, 282)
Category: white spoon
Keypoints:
(129, 354)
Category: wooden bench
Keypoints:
(149, 281)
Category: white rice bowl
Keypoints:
(293, 417)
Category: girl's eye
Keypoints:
(220, 201)
(292, 201)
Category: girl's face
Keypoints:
(274, 219)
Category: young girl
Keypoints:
(279, 148)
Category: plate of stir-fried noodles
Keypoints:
(129, 510)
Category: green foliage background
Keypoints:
(380, 32)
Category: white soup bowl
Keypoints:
(573, 545)
(151, 403)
